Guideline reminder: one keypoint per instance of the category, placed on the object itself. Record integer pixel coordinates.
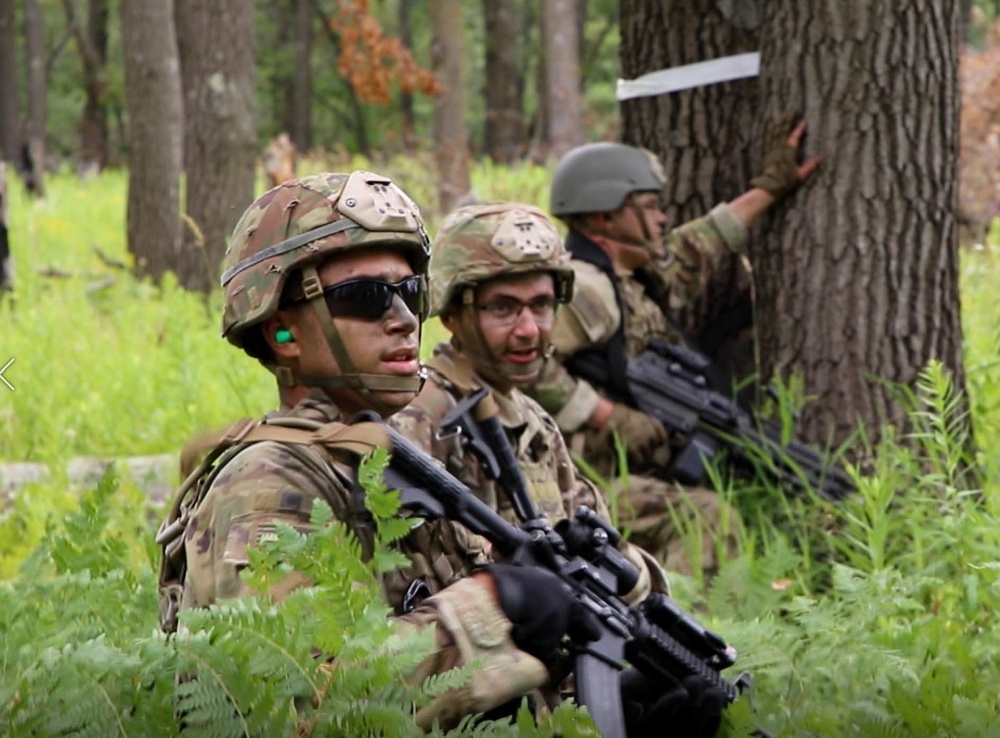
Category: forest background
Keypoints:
(869, 618)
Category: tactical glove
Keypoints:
(781, 167)
(644, 435)
(691, 708)
(541, 610)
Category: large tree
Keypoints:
(704, 137)
(564, 102)
(856, 276)
(216, 44)
(155, 130)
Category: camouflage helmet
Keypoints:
(597, 177)
(301, 223)
(480, 242)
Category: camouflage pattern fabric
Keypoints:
(538, 446)
(657, 512)
(486, 241)
(265, 483)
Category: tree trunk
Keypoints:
(406, 98)
(92, 44)
(562, 74)
(33, 159)
(155, 130)
(505, 126)
(704, 138)
(10, 124)
(216, 44)
(858, 276)
(300, 88)
(451, 135)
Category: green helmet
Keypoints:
(477, 243)
(597, 177)
(301, 223)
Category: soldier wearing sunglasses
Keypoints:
(324, 285)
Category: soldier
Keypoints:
(630, 283)
(497, 273)
(324, 285)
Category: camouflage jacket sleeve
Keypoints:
(694, 252)
(588, 321)
(262, 485)
(471, 628)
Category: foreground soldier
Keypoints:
(497, 273)
(324, 285)
(630, 283)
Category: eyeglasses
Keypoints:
(369, 299)
(506, 310)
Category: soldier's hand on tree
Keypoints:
(782, 172)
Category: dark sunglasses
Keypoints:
(369, 299)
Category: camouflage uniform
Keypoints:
(251, 486)
(535, 439)
(477, 244)
(601, 308)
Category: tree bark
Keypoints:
(216, 44)
(562, 74)
(704, 136)
(299, 100)
(503, 84)
(451, 135)
(858, 275)
(92, 44)
(155, 130)
(406, 98)
(33, 159)
(10, 124)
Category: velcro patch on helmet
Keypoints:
(522, 236)
(376, 204)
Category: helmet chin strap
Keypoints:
(365, 385)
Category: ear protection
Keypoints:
(283, 336)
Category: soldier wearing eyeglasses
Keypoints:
(498, 272)
(324, 285)
(632, 277)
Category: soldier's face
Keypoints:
(387, 346)
(640, 220)
(516, 315)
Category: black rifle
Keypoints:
(670, 383)
(664, 643)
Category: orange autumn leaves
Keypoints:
(371, 61)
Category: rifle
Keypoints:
(663, 642)
(670, 383)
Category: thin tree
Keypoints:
(155, 131)
(298, 90)
(91, 37)
(564, 103)
(503, 82)
(216, 45)
(33, 149)
(451, 135)
(10, 124)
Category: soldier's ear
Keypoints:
(449, 319)
(280, 336)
